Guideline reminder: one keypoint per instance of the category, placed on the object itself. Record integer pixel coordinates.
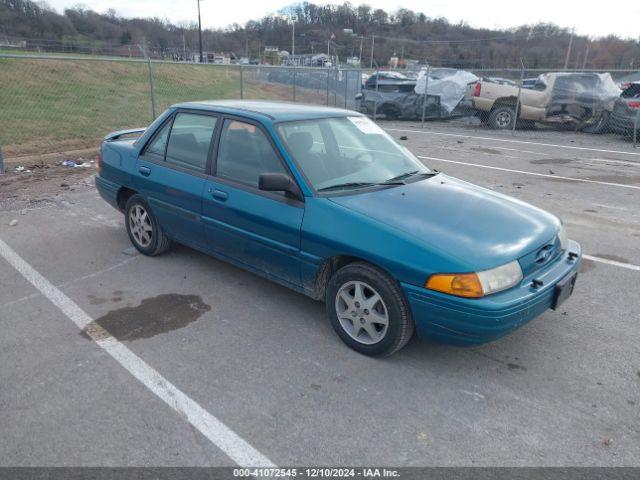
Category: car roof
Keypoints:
(274, 111)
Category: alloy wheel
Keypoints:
(361, 312)
(503, 119)
(140, 225)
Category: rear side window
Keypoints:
(189, 140)
(245, 153)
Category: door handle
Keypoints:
(146, 171)
(219, 195)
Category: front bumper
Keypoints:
(468, 321)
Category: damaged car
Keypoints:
(626, 111)
(404, 98)
(583, 101)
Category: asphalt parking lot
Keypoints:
(214, 366)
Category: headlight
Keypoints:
(478, 284)
(562, 236)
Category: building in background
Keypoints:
(307, 60)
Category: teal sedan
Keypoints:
(323, 201)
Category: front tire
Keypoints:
(144, 231)
(368, 310)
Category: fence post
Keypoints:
(151, 87)
(328, 70)
(1, 161)
(294, 85)
(241, 84)
(375, 103)
(515, 121)
(346, 87)
(424, 99)
(635, 134)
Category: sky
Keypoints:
(588, 17)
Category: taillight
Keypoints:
(476, 89)
(634, 104)
(99, 162)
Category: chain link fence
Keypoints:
(51, 105)
(589, 101)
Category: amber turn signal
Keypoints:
(459, 284)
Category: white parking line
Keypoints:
(70, 282)
(217, 432)
(493, 139)
(629, 266)
(584, 180)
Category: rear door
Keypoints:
(258, 229)
(171, 173)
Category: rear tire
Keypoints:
(368, 310)
(143, 228)
(502, 117)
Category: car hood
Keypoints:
(481, 228)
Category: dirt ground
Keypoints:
(41, 184)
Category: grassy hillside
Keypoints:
(56, 105)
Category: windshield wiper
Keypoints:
(392, 181)
(346, 185)
(398, 179)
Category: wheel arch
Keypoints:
(124, 194)
(332, 264)
(505, 102)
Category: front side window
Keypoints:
(245, 153)
(355, 152)
(189, 140)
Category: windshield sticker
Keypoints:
(366, 126)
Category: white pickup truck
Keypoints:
(580, 100)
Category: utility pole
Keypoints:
(293, 36)
(566, 60)
(373, 44)
(586, 55)
(199, 31)
(360, 56)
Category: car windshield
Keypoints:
(348, 153)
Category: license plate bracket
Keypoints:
(563, 290)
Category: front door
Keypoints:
(259, 229)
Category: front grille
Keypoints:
(541, 257)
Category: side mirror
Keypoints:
(279, 182)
